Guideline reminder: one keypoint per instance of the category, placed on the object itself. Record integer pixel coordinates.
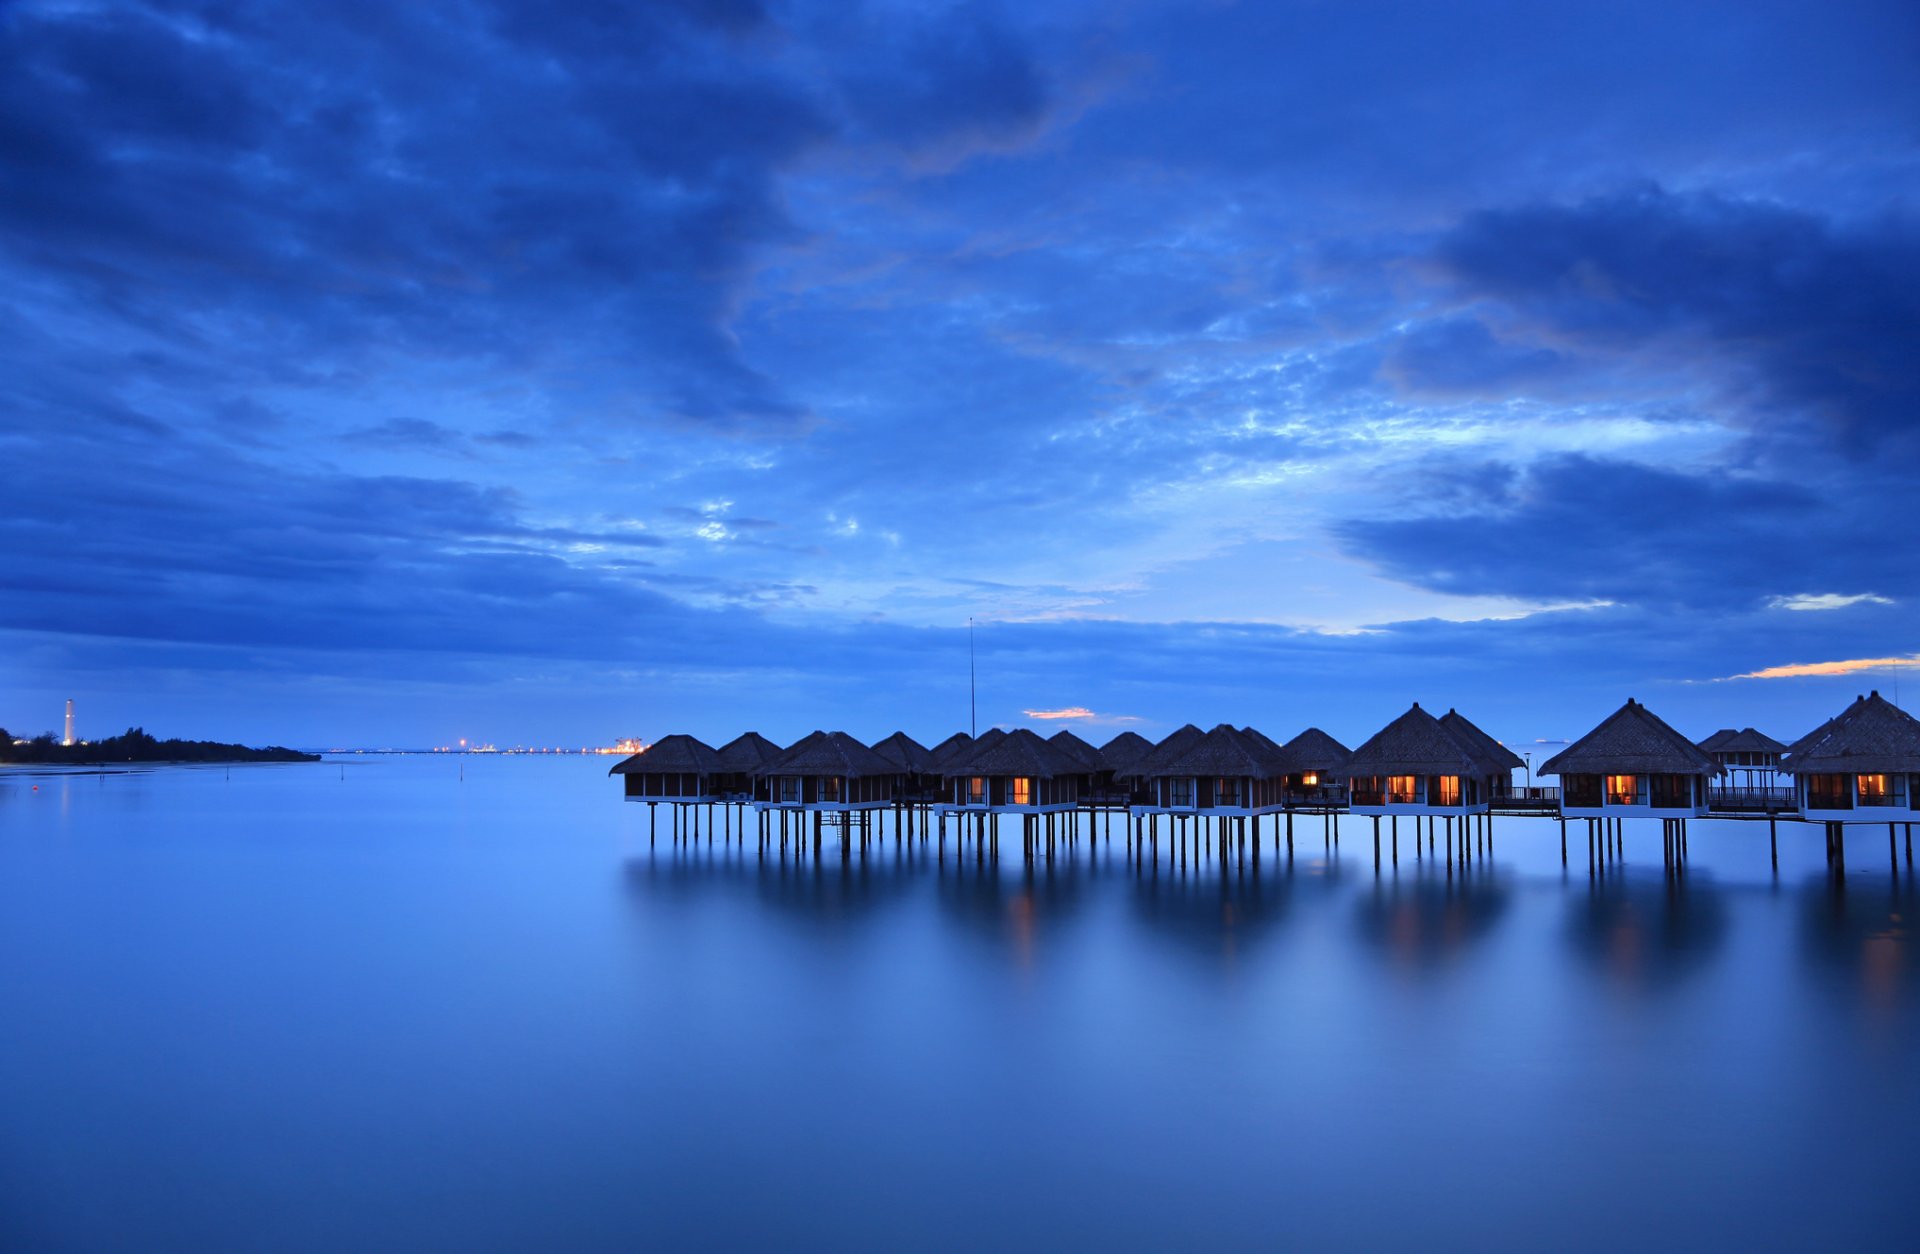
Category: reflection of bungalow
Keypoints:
(919, 779)
(675, 769)
(739, 759)
(1863, 766)
(828, 771)
(1414, 765)
(1493, 750)
(1633, 765)
(1316, 764)
(1227, 771)
(1746, 755)
(1016, 772)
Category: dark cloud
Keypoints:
(1460, 356)
(1581, 528)
(1802, 316)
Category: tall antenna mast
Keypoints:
(973, 700)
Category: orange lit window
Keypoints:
(1446, 790)
(1023, 792)
(976, 791)
(1402, 790)
(1623, 790)
(1311, 779)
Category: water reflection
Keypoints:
(827, 890)
(1435, 914)
(1863, 926)
(1647, 929)
(1215, 914)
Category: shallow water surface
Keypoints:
(401, 1002)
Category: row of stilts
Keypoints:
(1189, 839)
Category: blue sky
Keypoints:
(546, 373)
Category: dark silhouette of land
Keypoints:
(135, 745)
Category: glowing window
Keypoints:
(1402, 790)
(1446, 790)
(1023, 792)
(976, 791)
(1623, 790)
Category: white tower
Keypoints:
(69, 739)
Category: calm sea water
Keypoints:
(375, 1005)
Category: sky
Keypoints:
(547, 373)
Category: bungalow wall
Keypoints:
(1425, 792)
(1644, 794)
(667, 786)
(1876, 797)
(824, 790)
(1018, 791)
(1217, 792)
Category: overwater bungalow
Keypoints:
(1227, 771)
(950, 750)
(1124, 750)
(1862, 766)
(826, 771)
(919, 778)
(1501, 784)
(1633, 765)
(1014, 772)
(1316, 768)
(1138, 776)
(1415, 765)
(677, 769)
(739, 759)
(1076, 748)
(1750, 758)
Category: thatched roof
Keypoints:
(906, 753)
(1076, 748)
(1314, 750)
(1123, 751)
(1812, 737)
(828, 754)
(671, 755)
(1457, 723)
(1416, 744)
(745, 752)
(1633, 740)
(1872, 736)
(1225, 751)
(955, 746)
(1018, 753)
(1164, 753)
(1746, 740)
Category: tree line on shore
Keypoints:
(136, 745)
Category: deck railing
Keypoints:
(1754, 800)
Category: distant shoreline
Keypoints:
(136, 746)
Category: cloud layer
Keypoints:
(589, 369)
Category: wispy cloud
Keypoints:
(1826, 601)
(1079, 714)
(1849, 666)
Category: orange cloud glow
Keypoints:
(1797, 670)
(1079, 713)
